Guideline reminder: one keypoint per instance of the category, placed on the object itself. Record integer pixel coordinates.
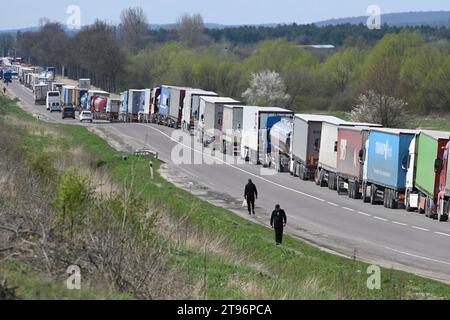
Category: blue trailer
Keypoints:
(385, 166)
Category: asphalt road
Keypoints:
(391, 238)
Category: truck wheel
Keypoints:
(394, 201)
(322, 181)
(407, 203)
(373, 195)
(365, 198)
(356, 193)
(427, 208)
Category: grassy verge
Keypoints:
(220, 255)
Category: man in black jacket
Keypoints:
(251, 194)
(278, 221)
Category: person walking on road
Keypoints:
(278, 222)
(250, 195)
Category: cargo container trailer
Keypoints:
(256, 125)
(424, 165)
(306, 138)
(211, 116)
(231, 129)
(164, 105)
(350, 160)
(67, 93)
(136, 100)
(385, 166)
(191, 107)
(280, 138)
(40, 94)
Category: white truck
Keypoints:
(211, 116)
(256, 125)
(232, 129)
(191, 107)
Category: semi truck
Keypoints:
(176, 106)
(7, 76)
(385, 165)
(280, 138)
(191, 107)
(67, 95)
(326, 174)
(164, 105)
(350, 160)
(145, 106)
(40, 93)
(84, 84)
(112, 109)
(136, 100)
(154, 104)
(424, 165)
(256, 125)
(306, 138)
(231, 129)
(211, 116)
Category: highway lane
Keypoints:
(393, 238)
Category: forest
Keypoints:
(410, 63)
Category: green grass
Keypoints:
(246, 263)
(32, 286)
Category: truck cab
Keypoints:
(411, 197)
(444, 182)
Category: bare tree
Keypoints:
(134, 29)
(378, 108)
(191, 30)
(267, 88)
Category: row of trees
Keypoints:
(404, 65)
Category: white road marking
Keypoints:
(348, 209)
(379, 218)
(364, 214)
(333, 204)
(417, 256)
(443, 234)
(419, 228)
(399, 223)
(233, 166)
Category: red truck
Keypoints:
(443, 201)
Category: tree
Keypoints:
(191, 30)
(377, 108)
(267, 88)
(134, 29)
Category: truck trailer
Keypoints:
(256, 125)
(154, 104)
(426, 154)
(384, 179)
(350, 160)
(280, 138)
(136, 100)
(306, 138)
(191, 107)
(40, 94)
(232, 129)
(211, 116)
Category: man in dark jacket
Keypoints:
(250, 194)
(278, 222)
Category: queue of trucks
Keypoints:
(393, 167)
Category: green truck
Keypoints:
(425, 156)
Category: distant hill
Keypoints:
(429, 18)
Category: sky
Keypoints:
(26, 13)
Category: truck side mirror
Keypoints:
(335, 146)
(361, 155)
(437, 165)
